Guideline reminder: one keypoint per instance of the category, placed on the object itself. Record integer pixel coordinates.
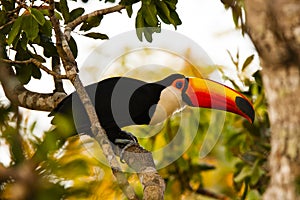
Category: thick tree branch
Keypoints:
(70, 66)
(19, 95)
(142, 162)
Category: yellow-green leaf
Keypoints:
(247, 62)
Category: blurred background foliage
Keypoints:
(56, 167)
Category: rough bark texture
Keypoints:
(19, 95)
(274, 27)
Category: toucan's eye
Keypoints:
(179, 84)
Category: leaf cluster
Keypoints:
(249, 143)
(151, 14)
(51, 168)
(237, 9)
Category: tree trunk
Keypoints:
(274, 27)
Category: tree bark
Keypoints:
(274, 27)
(19, 95)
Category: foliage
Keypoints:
(48, 170)
(61, 168)
(237, 9)
(250, 143)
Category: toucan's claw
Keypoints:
(124, 144)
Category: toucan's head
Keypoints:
(198, 92)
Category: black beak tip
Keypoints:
(245, 107)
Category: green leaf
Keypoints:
(171, 4)
(3, 17)
(65, 10)
(176, 18)
(76, 13)
(57, 15)
(150, 15)
(32, 126)
(139, 24)
(7, 5)
(247, 62)
(129, 10)
(128, 2)
(146, 2)
(257, 172)
(23, 41)
(73, 47)
(236, 14)
(97, 36)
(30, 27)
(36, 72)
(49, 48)
(24, 73)
(244, 173)
(164, 13)
(37, 15)
(46, 29)
(148, 34)
(91, 22)
(253, 195)
(15, 30)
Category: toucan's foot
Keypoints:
(127, 140)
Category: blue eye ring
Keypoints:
(179, 84)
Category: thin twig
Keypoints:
(73, 24)
(211, 194)
(38, 64)
(8, 23)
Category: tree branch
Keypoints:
(55, 64)
(142, 162)
(70, 66)
(19, 95)
(100, 136)
(25, 180)
(73, 24)
(38, 64)
(211, 194)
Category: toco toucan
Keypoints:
(122, 101)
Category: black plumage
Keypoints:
(118, 101)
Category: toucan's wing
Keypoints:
(128, 103)
(143, 102)
(118, 101)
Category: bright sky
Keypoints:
(204, 21)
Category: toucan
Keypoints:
(123, 101)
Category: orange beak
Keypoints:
(209, 94)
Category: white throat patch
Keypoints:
(170, 101)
